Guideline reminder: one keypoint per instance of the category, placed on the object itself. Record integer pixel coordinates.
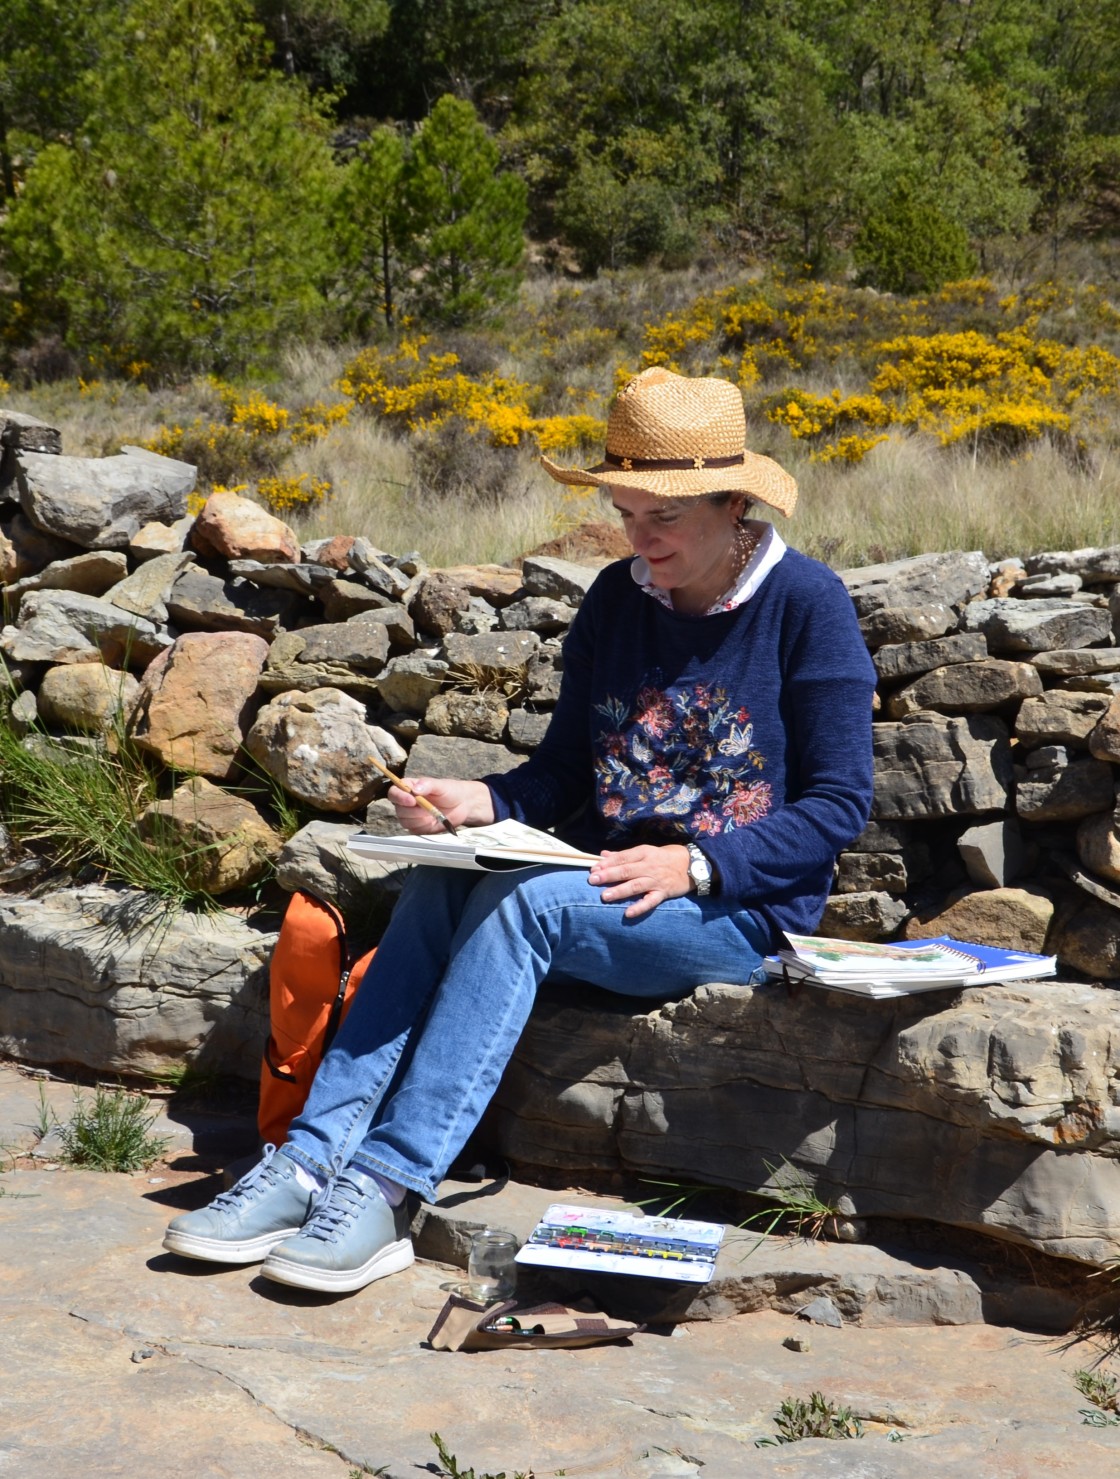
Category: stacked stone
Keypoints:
(224, 647)
(997, 755)
(227, 648)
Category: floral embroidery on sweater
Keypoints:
(678, 761)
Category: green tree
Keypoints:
(187, 227)
(323, 40)
(462, 219)
(907, 245)
(369, 228)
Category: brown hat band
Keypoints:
(667, 464)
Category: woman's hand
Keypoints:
(646, 874)
(463, 803)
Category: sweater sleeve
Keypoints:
(828, 682)
(558, 778)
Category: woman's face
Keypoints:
(689, 546)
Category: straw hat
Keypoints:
(681, 438)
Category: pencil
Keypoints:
(420, 800)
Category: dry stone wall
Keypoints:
(222, 643)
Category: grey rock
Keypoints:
(28, 434)
(543, 676)
(343, 599)
(910, 659)
(478, 619)
(1050, 758)
(1058, 717)
(24, 711)
(873, 915)
(317, 745)
(410, 683)
(870, 872)
(100, 503)
(1086, 936)
(346, 655)
(994, 1107)
(395, 620)
(967, 688)
(933, 767)
(526, 730)
(146, 590)
(91, 574)
(317, 858)
(882, 836)
(562, 580)
(537, 614)
(66, 749)
(1071, 663)
(1011, 625)
(459, 759)
(1048, 585)
(132, 985)
(1091, 564)
(499, 659)
(372, 565)
(952, 578)
(481, 716)
(25, 550)
(65, 626)
(821, 1311)
(302, 580)
(202, 602)
(1091, 683)
(995, 853)
(438, 600)
(894, 625)
(1083, 787)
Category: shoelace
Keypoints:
(262, 1177)
(341, 1202)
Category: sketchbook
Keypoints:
(494, 848)
(907, 966)
(623, 1243)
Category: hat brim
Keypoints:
(760, 477)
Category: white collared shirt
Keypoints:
(767, 552)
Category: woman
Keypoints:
(714, 726)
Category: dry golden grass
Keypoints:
(908, 495)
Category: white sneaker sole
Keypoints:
(217, 1250)
(391, 1259)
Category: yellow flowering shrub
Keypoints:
(419, 390)
(285, 495)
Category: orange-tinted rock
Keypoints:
(198, 699)
(238, 529)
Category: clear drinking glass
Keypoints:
(491, 1271)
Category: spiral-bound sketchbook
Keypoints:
(501, 845)
(868, 969)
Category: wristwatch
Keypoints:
(700, 871)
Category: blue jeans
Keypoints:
(446, 996)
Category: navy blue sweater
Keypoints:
(747, 731)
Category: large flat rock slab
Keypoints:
(992, 1109)
(230, 1369)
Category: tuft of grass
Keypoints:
(83, 809)
(449, 1465)
(791, 1202)
(1102, 1389)
(797, 1418)
(111, 1132)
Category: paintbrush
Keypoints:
(420, 800)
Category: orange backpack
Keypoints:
(312, 981)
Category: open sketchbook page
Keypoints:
(500, 844)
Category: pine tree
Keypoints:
(186, 227)
(462, 220)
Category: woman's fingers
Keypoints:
(646, 875)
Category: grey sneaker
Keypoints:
(240, 1226)
(352, 1238)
